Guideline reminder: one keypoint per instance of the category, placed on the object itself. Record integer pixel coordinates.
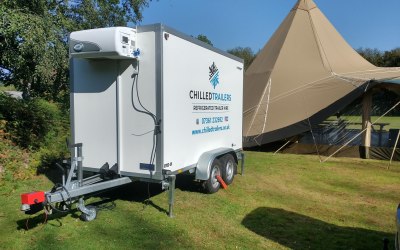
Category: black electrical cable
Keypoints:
(156, 124)
(54, 189)
(43, 224)
(135, 85)
(145, 110)
(145, 133)
(27, 223)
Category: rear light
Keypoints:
(32, 198)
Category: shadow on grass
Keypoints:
(134, 192)
(297, 231)
(188, 184)
(144, 191)
(41, 219)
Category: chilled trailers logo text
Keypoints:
(205, 95)
(214, 75)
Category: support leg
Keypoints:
(89, 213)
(171, 188)
(80, 165)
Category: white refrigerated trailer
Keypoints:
(148, 103)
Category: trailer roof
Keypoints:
(162, 27)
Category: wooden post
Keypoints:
(366, 122)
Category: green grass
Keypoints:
(393, 122)
(282, 202)
(7, 88)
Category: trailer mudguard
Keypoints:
(206, 159)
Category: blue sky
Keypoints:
(232, 23)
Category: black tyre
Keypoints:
(229, 168)
(212, 185)
(91, 215)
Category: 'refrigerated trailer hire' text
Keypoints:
(147, 104)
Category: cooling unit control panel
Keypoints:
(111, 43)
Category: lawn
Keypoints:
(281, 202)
(388, 122)
(7, 88)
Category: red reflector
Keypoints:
(32, 198)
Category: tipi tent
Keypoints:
(305, 72)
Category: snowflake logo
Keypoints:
(214, 75)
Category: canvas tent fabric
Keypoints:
(305, 72)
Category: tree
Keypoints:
(374, 56)
(381, 59)
(89, 14)
(246, 54)
(204, 39)
(33, 56)
(391, 58)
(34, 39)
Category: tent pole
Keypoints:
(366, 122)
(258, 107)
(394, 149)
(315, 143)
(286, 143)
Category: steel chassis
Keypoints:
(75, 186)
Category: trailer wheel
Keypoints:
(229, 168)
(212, 185)
(92, 214)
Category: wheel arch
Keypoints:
(206, 159)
